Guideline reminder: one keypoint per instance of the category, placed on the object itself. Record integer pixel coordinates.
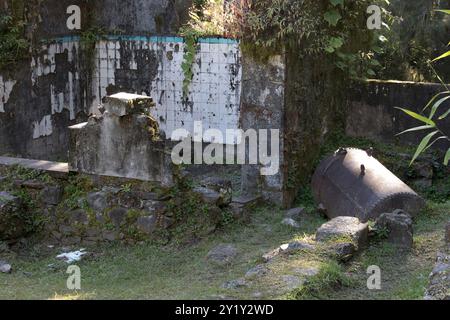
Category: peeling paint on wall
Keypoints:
(43, 128)
(6, 88)
(215, 90)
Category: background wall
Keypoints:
(371, 109)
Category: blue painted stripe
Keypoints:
(153, 39)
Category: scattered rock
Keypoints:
(439, 287)
(234, 284)
(238, 211)
(256, 272)
(222, 186)
(208, 196)
(52, 195)
(147, 224)
(289, 248)
(342, 228)
(290, 222)
(78, 216)
(306, 272)
(154, 206)
(399, 226)
(247, 200)
(12, 225)
(296, 246)
(97, 200)
(110, 236)
(344, 251)
(294, 213)
(223, 254)
(33, 184)
(117, 216)
(5, 267)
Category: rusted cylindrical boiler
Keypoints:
(352, 182)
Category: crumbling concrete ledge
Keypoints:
(122, 142)
(55, 169)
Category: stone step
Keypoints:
(55, 169)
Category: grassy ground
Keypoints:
(147, 271)
(152, 272)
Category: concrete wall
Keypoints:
(371, 110)
(56, 90)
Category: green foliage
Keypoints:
(13, 44)
(416, 33)
(331, 276)
(191, 46)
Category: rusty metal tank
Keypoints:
(351, 182)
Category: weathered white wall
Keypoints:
(215, 89)
(6, 87)
(214, 92)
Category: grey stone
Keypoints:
(147, 224)
(256, 272)
(294, 213)
(66, 230)
(12, 224)
(247, 200)
(208, 196)
(117, 216)
(5, 267)
(290, 222)
(52, 195)
(33, 184)
(154, 206)
(222, 254)
(222, 186)
(271, 255)
(122, 103)
(399, 226)
(307, 272)
(296, 246)
(342, 228)
(97, 200)
(110, 235)
(344, 251)
(78, 216)
(234, 284)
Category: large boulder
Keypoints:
(344, 229)
(12, 217)
(399, 228)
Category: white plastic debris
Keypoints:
(73, 256)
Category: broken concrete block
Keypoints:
(399, 226)
(344, 228)
(122, 104)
